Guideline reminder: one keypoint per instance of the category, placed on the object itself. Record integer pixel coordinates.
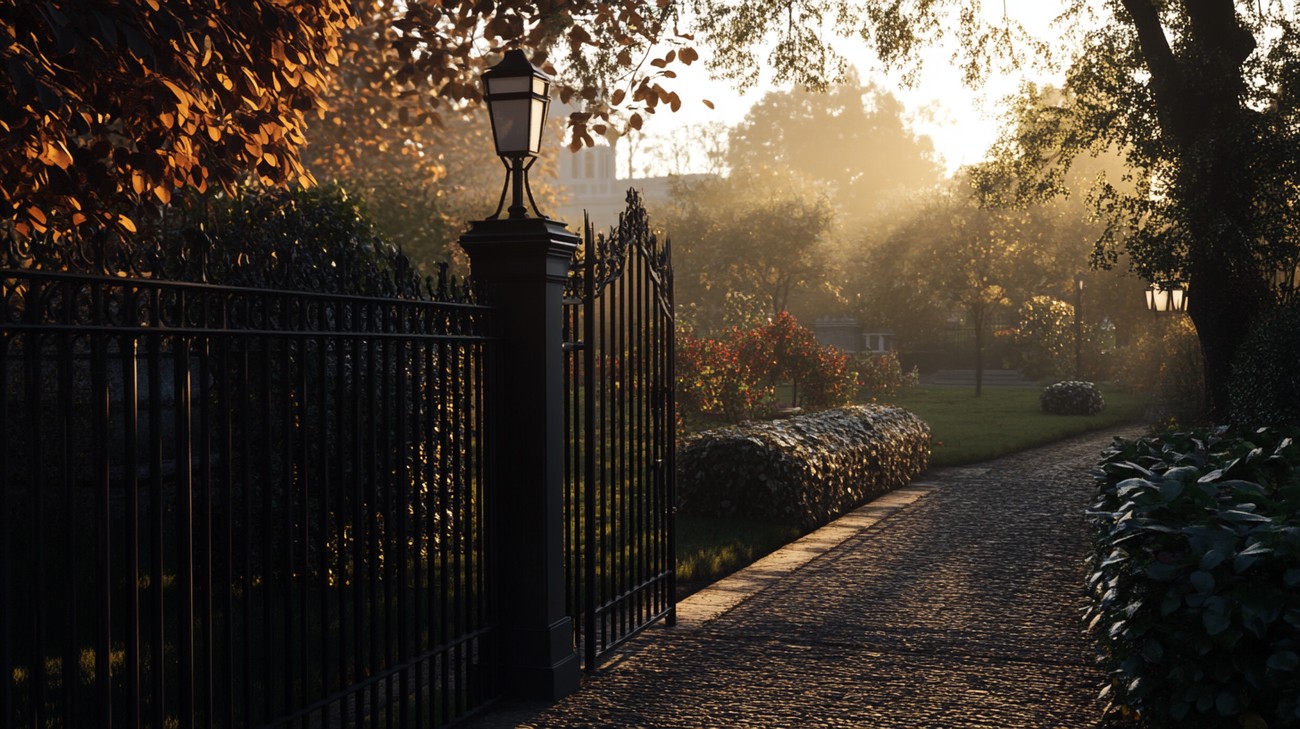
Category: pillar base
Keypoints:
(550, 682)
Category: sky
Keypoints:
(961, 122)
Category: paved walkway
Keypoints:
(952, 603)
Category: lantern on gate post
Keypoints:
(520, 264)
(518, 96)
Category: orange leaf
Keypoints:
(708, 103)
(180, 93)
(36, 214)
(126, 223)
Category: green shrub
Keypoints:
(1071, 397)
(804, 470)
(1164, 361)
(882, 374)
(316, 239)
(1045, 337)
(1265, 388)
(1194, 578)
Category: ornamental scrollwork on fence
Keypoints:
(193, 255)
(609, 251)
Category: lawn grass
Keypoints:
(965, 428)
(709, 548)
(969, 429)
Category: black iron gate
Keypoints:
(620, 418)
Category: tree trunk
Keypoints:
(1199, 95)
(1223, 307)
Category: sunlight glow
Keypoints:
(961, 122)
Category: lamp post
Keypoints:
(1078, 326)
(520, 263)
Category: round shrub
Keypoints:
(1265, 387)
(1071, 397)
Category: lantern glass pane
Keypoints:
(506, 84)
(1177, 297)
(539, 86)
(510, 125)
(537, 120)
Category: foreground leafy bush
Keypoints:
(1194, 578)
(803, 470)
(1071, 397)
(1265, 388)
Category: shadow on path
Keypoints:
(955, 602)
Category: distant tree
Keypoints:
(950, 255)
(761, 236)
(110, 107)
(850, 137)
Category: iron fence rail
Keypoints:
(237, 507)
(620, 419)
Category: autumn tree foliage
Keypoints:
(735, 375)
(110, 107)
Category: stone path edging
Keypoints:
(720, 597)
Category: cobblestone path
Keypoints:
(960, 609)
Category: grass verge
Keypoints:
(710, 548)
(969, 429)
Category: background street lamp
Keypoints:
(1166, 297)
(1078, 326)
(518, 96)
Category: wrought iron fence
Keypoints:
(619, 470)
(237, 507)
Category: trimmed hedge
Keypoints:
(804, 470)
(1072, 397)
(1194, 578)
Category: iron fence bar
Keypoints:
(156, 522)
(198, 332)
(225, 449)
(589, 433)
(207, 672)
(246, 480)
(38, 533)
(7, 709)
(650, 602)
(103, 544)
(185, 529)
(67, 667)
